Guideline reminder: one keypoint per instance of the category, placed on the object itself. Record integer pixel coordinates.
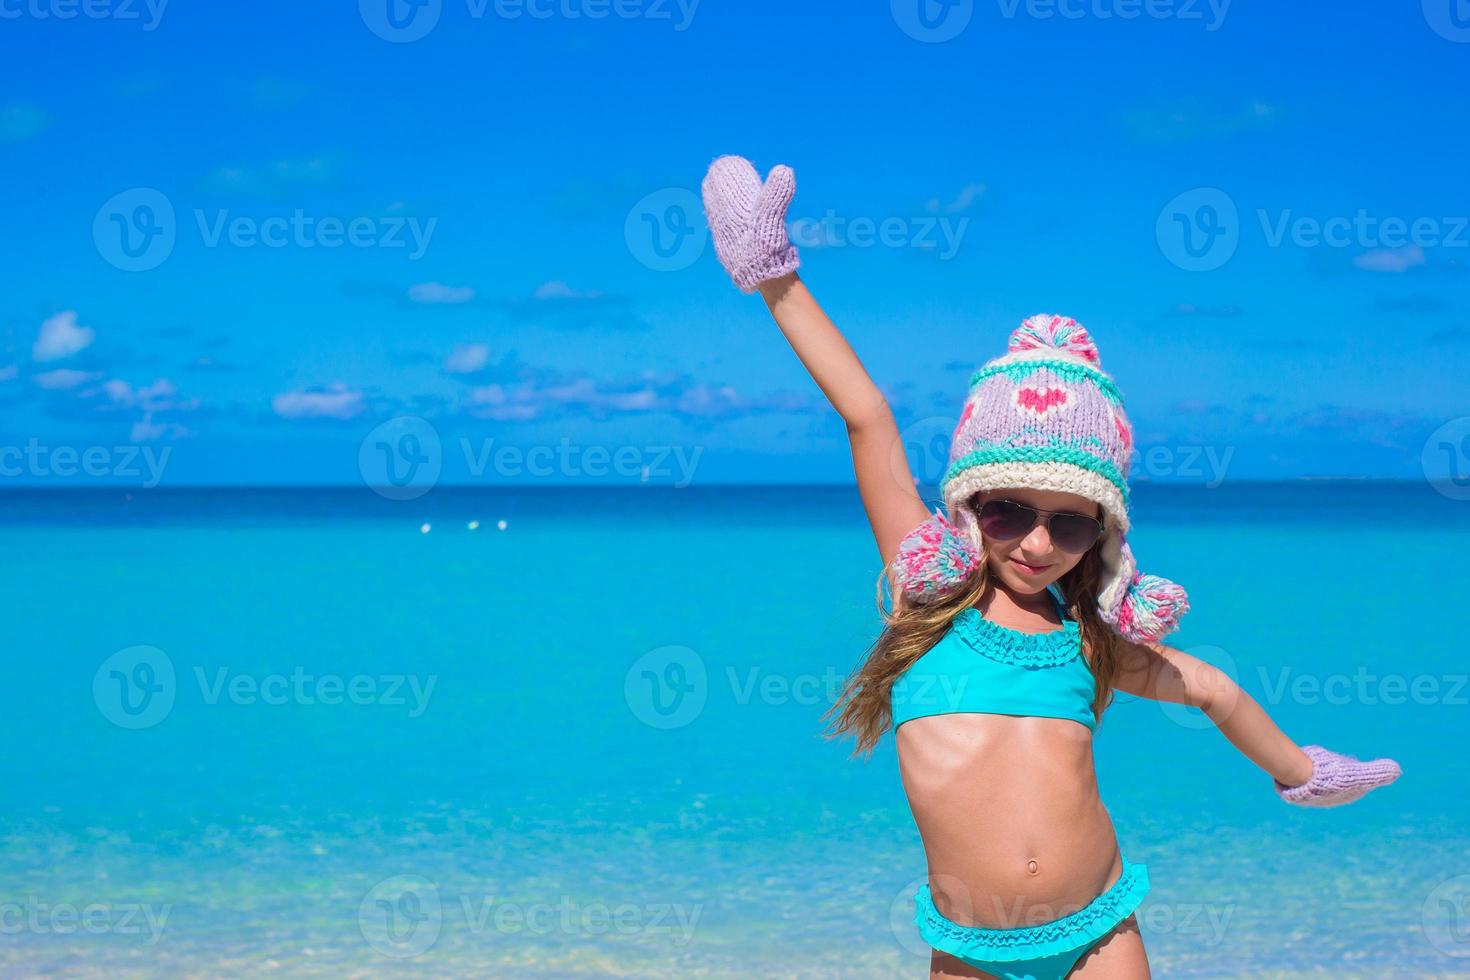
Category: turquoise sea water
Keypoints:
(286, 732)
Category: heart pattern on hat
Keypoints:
(1042, 400)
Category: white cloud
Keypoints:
(147, 430)
(64, 378)
(335, 402)
(1390, 259)
(555, 290)
(437, 292)
(155, 397)
(61, 337)
(9, 372)
(119, 391)
(467, 359)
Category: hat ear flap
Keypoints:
(1141, 608)
(934, 559)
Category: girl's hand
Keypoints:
(747, 220)
(1337, 779)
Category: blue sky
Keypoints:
(246, 244)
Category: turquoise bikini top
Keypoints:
(980, 666)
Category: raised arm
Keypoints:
(748, 221)
(1309, 776)
(884, 482)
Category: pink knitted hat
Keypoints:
(1044, 416)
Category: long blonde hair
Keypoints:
(863, 709)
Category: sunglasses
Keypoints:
(1004, 520)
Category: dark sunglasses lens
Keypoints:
(1074, 533)
(1002, 520)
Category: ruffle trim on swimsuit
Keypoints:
(1085, 925)
(1012, 646)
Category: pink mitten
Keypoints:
(1337, 779)
(747, 220)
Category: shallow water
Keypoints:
(590, 744)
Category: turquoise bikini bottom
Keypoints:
(1043, 952)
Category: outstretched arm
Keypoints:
(1307, 775)
(1162, 673)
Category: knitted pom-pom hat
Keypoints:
(1043, 416)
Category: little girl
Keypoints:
(1017, 612)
